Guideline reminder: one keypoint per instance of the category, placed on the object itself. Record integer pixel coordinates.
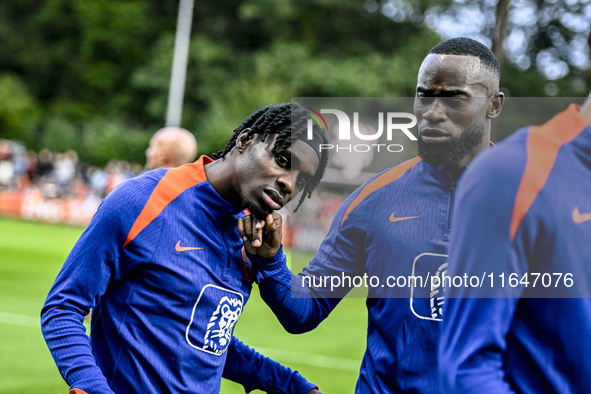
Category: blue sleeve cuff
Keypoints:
(299, 384)
(254, 371)
(266, 268)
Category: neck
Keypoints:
(219, 175)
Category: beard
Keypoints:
(255, 210)
(452, 152)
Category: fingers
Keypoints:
(277, 219)
(257, 232)
(245, 228)
(241, 228)
(251, 230)
(261, 237)
(273, 231)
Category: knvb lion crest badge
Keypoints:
(221, 324)
(427, 299)
(213, 319)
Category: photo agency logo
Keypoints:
(363, 136)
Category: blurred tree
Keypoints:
(104, 140)
(100, 70)
(76, 59)
(547, 37)
(264, 51)
(19, 110)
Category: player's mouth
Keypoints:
(434, 136)
(273, 199)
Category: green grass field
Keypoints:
(31, 255)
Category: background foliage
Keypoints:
(94, 76)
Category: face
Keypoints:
(266, 180)
(455, 97)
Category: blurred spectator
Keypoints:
(118, 171)
(12, 163)
(65, 168)
(31, 165)
(55, 187)
(44, 162)
(98, 181)
(171, 147)
(6, 172)
(58, 187)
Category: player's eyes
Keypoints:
(282, 161)
(449, 101)
(425, 100)
(301, 182)
(457, 101)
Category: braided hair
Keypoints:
(288, 121)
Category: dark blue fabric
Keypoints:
(403, 323)
(162, 319)
(517, 341)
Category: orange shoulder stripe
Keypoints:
(173, 183)
(543, 144)
(379, 182)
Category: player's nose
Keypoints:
(435, 111)
(285, 183)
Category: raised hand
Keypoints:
(261, 237)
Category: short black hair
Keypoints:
(288, 121)
(464, 46)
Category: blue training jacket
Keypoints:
(395, 226)
(161, 264)
(523, 209)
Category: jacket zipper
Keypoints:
(451, 204)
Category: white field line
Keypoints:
(315, 360)
(288, 356)
(20, 320)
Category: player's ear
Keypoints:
(243, 140)
(495, 105)
(160, 157)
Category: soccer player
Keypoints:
(523, 220)
(396, 224)
(162, 265)
(171, 147)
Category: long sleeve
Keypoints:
(64, 333)
(85, 275)
(477, 320)
(254, 371)
(298, 313)
(472, 345)
(301, 302)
